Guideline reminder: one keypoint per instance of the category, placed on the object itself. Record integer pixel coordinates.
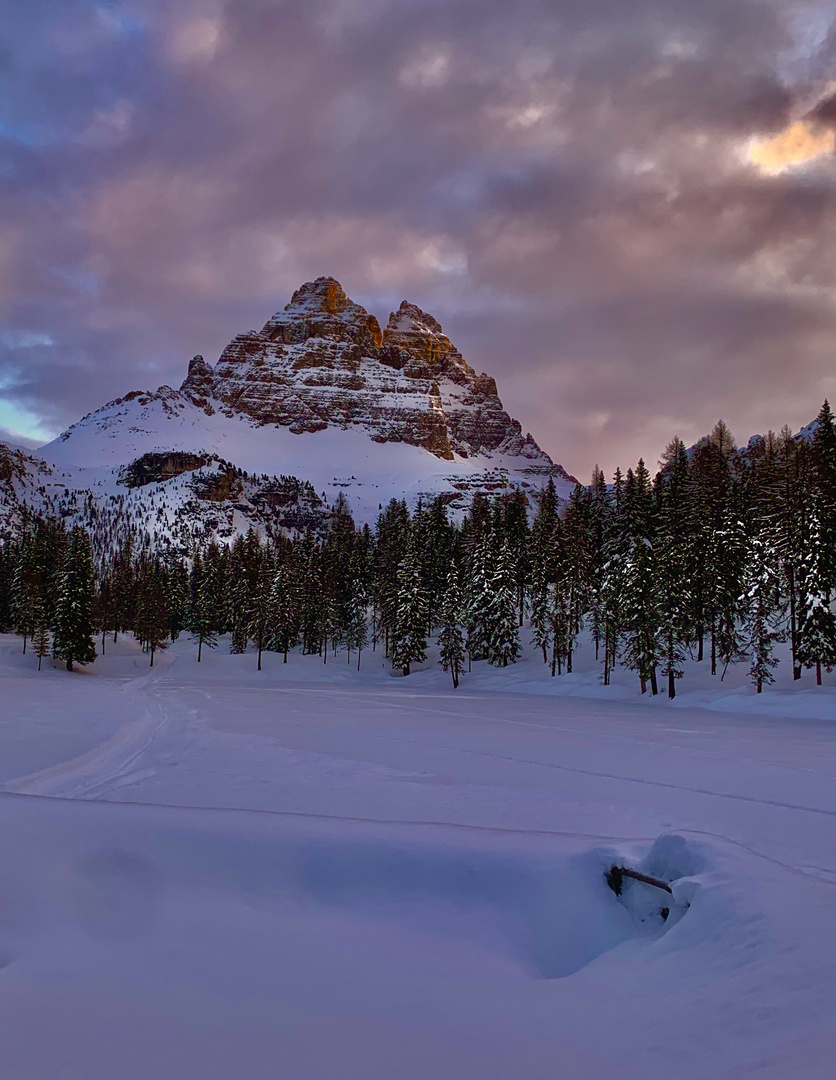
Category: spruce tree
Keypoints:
(816, 622)
(73, 635)
(673, 585)
(409, 631)
(41, 642)
(641, 649)
(355, 633)
(258, 614)
(201, 607)
(501, 630)
(451, 638)
(478, 599)
(761, 610)
(726, 566)
(152, 617)
(283, 620)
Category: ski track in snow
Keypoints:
(139, 749)
(372, 880)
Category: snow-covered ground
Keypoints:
(90, 455)
(313, 873)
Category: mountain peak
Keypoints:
(409, 318)
(321, 309)
(324, 362)
(324, 294)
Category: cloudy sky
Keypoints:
(625, 210)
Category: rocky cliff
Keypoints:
(325, 362)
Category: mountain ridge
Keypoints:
(321, 396)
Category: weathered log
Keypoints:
(616, 875)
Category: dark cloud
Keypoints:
(824, 112)
(567, 187)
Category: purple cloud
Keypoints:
(567, 187)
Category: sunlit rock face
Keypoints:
(324, 362)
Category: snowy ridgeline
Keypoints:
(210, 482)
(316, 872)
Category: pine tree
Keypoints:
(451, 638)
(201, 605)
(355, 633)
(152, 617)
(41, 642)
(478, 598)
(824, 458)
(672, 581)
(241, 612)
(725, 567)
(258, 614)
(816, 623)
(409, 631)
(25, 589)
(761, 610)
(540, 608)
(501, 630)
(73, 637)
(640, 614)
(283, 623)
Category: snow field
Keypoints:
(311, 873)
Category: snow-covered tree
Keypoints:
(356, 633)
(478, 599)
(816, 635)
(762, 610)
(283, 612)
(641, 648)
(501, 627)
(258, 612)
(41, 642)
(73, 632)
(151, 625)
(409, 632)
(451, 638)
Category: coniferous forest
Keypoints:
(719, 556)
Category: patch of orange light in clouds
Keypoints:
(794, 145)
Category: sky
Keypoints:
(625, 212)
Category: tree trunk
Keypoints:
(152, 657)
(796, 667)
(199, 649)
(700, 636)
(359, 654)
(818, 673)
(671, 685)
(654, 686)
(643, 684)
(259, 658)
(24, 644)
(70, 664)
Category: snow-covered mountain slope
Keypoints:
(320, 394)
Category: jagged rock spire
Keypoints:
(323, 361)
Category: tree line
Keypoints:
(719, 556)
